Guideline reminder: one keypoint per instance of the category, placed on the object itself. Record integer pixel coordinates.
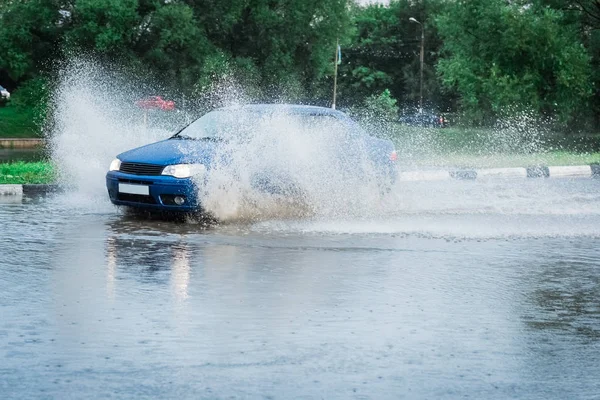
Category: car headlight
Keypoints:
(115, 165)
(184, 170)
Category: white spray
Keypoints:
(95, 119)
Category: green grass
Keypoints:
(27, 173)
(18, 123)
(491, 148)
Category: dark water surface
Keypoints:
(29, 155)
(433, 303)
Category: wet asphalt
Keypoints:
(475, 292)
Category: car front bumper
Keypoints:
(161, 192)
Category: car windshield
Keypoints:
(227, 124)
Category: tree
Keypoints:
(174, 46)
(385, 53)
(504, 57)
(107, 27)
(584, 16)
(282, 45)
(30, 33)
(291, 42)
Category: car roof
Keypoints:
(287, 109)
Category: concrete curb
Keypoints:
(11, 190)
(576, 171)
(28, 190)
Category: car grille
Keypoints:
(141, 169)
(136, 198)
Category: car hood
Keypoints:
(172, 151)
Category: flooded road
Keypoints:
(468, 290)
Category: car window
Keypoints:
(224, 124)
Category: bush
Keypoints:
(17, 123)
(377, 109)
(33, 95)
(384, 105)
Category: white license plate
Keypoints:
(134, 189)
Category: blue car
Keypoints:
(168, 176)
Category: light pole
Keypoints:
(335, 73)
(411, 19)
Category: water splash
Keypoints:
(285, 167)
(94, 119)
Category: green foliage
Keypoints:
(385, 53)
(27, 173)
(106, 26)
(283, 46)
(291, 42)
(584, 17)
(505, 58)
(491, 58)
(29, 36)
(31, 98)
(175, 46)
(382, 106)
(16, 122)
(377, 113)
(31, 94)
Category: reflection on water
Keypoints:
(566, 296)
(180, 271)
(111, 266)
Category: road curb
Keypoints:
(11, 190)
(464, 174)
(531, 172)
(539, 171)
(28, 190)
(40, 189)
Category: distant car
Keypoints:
(4, 94)
(163, 176)
(156, 103)
(423, 119)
